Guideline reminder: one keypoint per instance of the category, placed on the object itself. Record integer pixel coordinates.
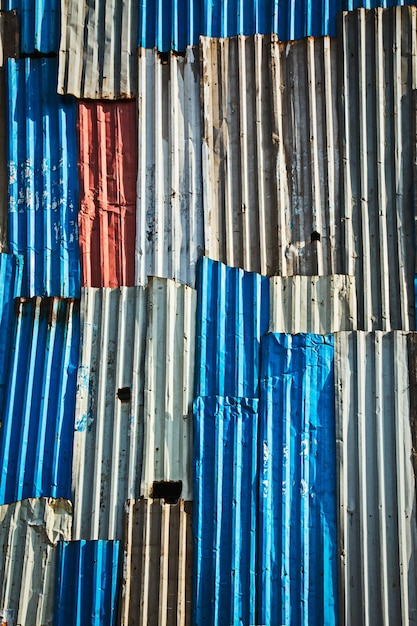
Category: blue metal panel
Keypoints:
(43, 179)
(38, 420)
(87, 583)
(297, 530)
(10, 285)
(174, 24)
(225, 505)
(39, 24)
(232, 316)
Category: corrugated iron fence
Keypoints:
(184, 441)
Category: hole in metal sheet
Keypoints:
(124, 394)
(164, 57)
(315, 236)
(167, 490)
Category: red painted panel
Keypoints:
(108, 170)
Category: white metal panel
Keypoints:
(271, 154)
(378, 59)
(377, 508)
(109, 409)
(312, 304)
(169, 386)
(169, 189)
(97, 54)
(29, 532)
(157, 581)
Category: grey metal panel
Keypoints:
(169, 190)
(377, 508)
(271, 154)
(97, 54)
(378, 75)
(169, 386)
(312, 304)
(109, 410)
(29, 532)
(157, 566)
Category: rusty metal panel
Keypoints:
(169, 387)
(29, 533)
(169, 207)
(157, 567)
(271, 154)
(109, 409)
(108, 168)
(97, 52)
(377, 51)
(377, 497)
(37, 422)
(312, 304)
(43, 179)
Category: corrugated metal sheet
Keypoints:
(378, 75)
(37, 423)
(179, 23)
(225, 510)
(43, 179)
(9, 47)
(29, 532)
(108, 434)
(11, 268)
(39, 24)
(316, 304)
(232, 316)
(377, 511)
(170, 214)
(87, 583)
(297, 578)
(169, 385)
(108, 168)
(157, 569)
(97, 52)
(271, 155)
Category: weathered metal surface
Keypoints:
(157, 565)
(310, 171)
(377, 510)
(108, 169)
(43, 179)
(37, 422)
(9, 47)
(378, 64)
(29, 532)
(225, 510)
(11, 268)
(169, 386)
(271, 155)
(297, 576)
(169, 207)
(232, 316)
(108, 434)
(97, 52)
(316, 304)
(87, 583)
(39, 22)
(176, 24)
